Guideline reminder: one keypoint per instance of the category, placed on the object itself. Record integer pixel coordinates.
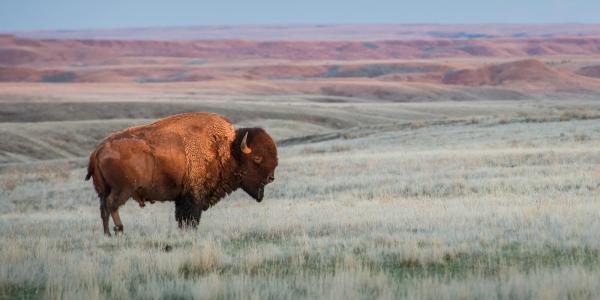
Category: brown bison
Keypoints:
(194, 159)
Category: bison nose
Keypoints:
(270, 178)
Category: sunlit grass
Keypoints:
(437, 212)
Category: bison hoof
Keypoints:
(118, 229)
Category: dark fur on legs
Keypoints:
(104, 214)
(187, 213)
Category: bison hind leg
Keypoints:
(113, 202)
(104, 216)
(187, 213)
(117, 219)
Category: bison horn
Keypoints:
(244, 147)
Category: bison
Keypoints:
(193, 159)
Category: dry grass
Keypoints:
(484, 209)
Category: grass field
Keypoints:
(489, 200)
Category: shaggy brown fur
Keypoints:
(194, 159)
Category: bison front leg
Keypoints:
(187, 213)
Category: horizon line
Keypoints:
(316, 24)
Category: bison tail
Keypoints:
(90, 168)
(93, 172)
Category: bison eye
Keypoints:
(257, 159)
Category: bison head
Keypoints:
(256, 153)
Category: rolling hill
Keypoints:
(530, 73)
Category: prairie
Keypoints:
(444, 200)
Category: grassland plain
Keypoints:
(470, 203)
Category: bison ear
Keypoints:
(243, 146)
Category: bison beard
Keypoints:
(193, 159)
(187, 213)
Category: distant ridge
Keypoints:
(529, 73)
(450, 67)
(20, 51)
(349, 32)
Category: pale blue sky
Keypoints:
(80, 14)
